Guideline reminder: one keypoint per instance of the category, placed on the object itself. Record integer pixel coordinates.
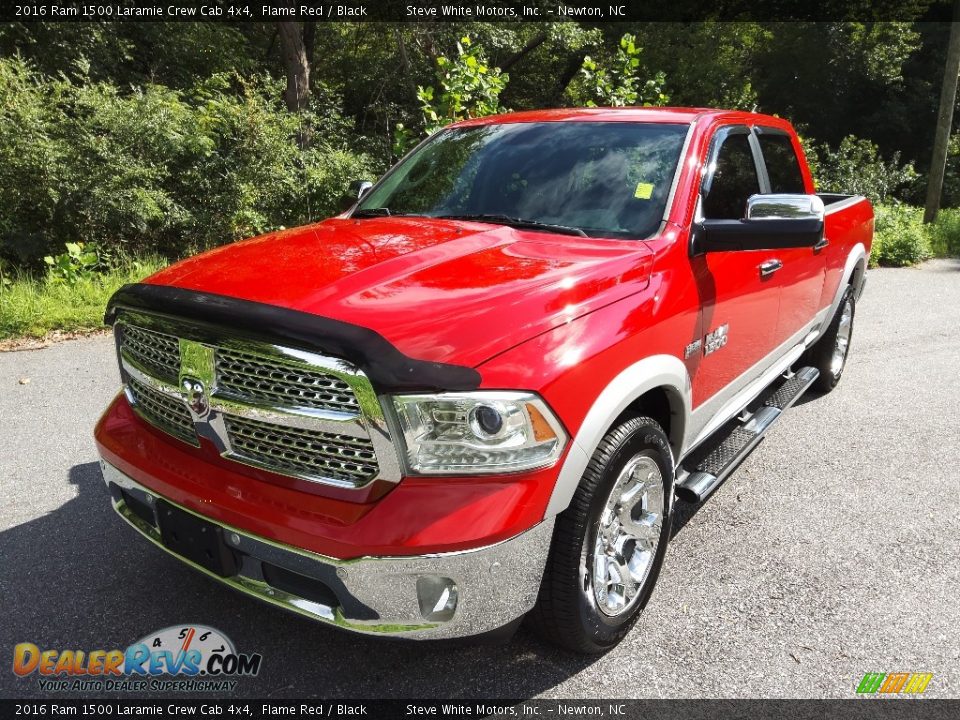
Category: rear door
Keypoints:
(740, 304)
(800, 278)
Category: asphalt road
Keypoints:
(831, 552)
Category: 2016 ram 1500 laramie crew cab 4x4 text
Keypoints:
(476, 395)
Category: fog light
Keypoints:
(437, 596)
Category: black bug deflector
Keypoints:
(388, 369)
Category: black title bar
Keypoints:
(590, 11)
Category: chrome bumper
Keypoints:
(437, 596)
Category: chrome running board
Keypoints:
(707, 467)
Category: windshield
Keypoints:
(603, 179)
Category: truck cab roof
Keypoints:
(619, 114)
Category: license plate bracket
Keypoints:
(195, 539)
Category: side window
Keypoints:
(783, 168)
(734, 180)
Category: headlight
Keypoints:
(478, 432)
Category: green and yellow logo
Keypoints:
(894, 683)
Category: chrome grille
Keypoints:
(156, 352)
(284, 410)
(167, 413)
(303, 452)
(272, 380)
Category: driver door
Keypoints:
(739, 302)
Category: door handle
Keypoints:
(821, 244)
(769, 267)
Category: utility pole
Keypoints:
(948, 96)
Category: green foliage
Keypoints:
(171, 137)
(131, 53)
(155, 169)
(77, 263)
(541, 77)
(857, 167)
(714, 65)
(617, 80)
(945, 233)
(5, 275)
(468, 87)
(880, 50)
(950, 194)
(839, 77)
(900, 238)
(35, 306)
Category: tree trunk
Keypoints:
(948, 96)
(309, 40)
(574, 63)
(534, 43)
(294, 57)
(405, 62)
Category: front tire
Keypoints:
(609, 544)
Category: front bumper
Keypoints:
(433, 596)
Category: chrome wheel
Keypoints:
(627, 536)
(842, 344)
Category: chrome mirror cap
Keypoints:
(784, 206)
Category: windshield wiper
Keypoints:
(371, 213)
(516, 222)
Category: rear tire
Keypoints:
(829, 354)
(609, 544)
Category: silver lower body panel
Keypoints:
(493, 585)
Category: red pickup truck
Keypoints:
(475, 395)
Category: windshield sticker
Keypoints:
(644, 191)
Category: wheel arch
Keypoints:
(856, 277)
(657, 386)
(853, 271)
(664, 404)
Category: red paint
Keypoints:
(466, 280)
(558, 315)
(418, 516)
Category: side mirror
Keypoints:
(355, 192)
(359, 188)
(772, 222)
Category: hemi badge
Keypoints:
(691, 350)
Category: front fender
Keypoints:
(665, 372)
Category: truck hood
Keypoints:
(439, 290)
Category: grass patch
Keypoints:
(32, 307)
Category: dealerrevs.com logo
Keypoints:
(182, 658)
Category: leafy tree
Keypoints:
(617, 81)
(469, 88)
(540, 76)
(857, 167)
(835, 78)
(158, 169)
(710, 64)
(156, 135)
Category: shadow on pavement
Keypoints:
(80, 578)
